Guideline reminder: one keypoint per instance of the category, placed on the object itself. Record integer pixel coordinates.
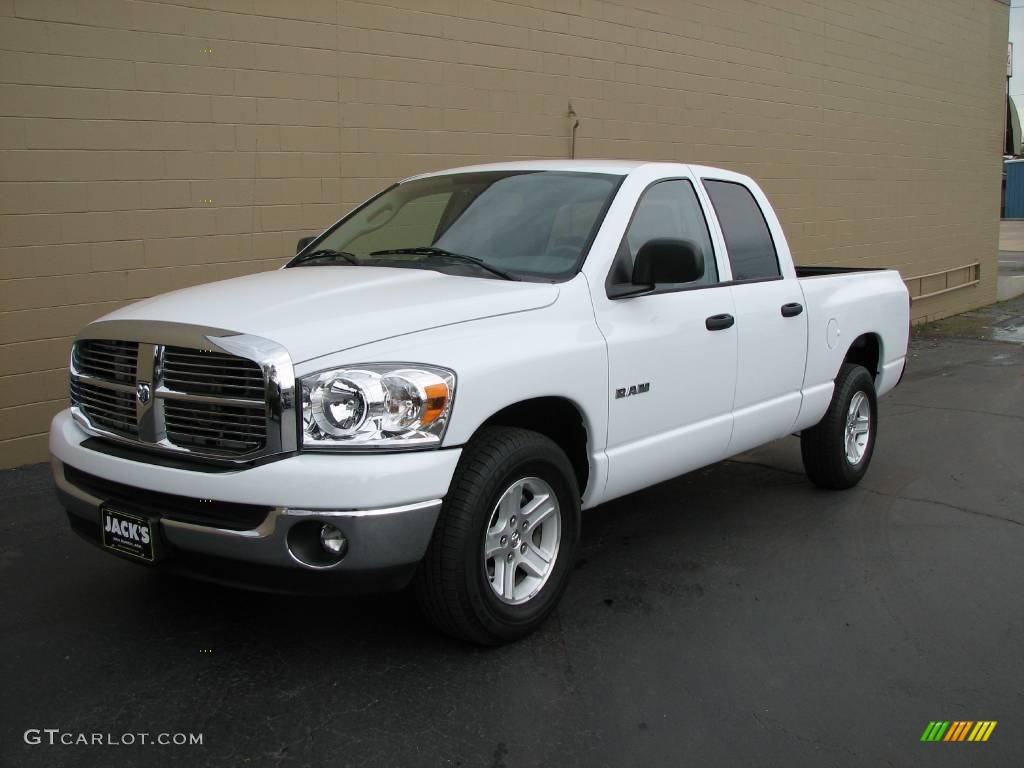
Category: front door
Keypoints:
(672, 372)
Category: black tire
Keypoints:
(823, 446)
(451, 586)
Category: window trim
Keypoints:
(725, 284)
(609, 285)
(725, 241)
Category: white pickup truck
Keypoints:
(435, 386)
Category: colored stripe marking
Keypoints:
(959, 726)
(958, 730)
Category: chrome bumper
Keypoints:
(378, 539)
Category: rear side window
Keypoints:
(751, 249)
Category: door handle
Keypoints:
(792, 309)
(719, 322)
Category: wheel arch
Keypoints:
(557, 418)
(866, 351)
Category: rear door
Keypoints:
(771, 323)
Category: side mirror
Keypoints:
(303, 242)
(664, 260)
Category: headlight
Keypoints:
(386, 405)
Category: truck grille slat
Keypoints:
(208, 402)
(110, 347)
(105, 358)
(243, 419)
(220, 443)
(217, 431)
(92, 399)
(112, 360)
(106, 398)
(109, 394)
(126, 350)
(189, 386)
(211, 373)
(115, 424)
(110, 409)
(214, 360)
(213, 412)
(200, 423)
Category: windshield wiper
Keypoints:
(325, 253)
(430, 251)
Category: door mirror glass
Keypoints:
(668, 260)
(303, 242)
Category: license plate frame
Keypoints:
(128, 533)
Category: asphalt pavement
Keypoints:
(1010, 273)
(735, 616)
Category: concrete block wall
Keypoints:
(146, 146)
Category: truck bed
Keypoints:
(813, 271)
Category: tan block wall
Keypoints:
(146, 146)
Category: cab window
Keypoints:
(666, 209)
(747, 238)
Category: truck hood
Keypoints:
(314, 311)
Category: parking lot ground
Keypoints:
(733, 616)
(1011, 258)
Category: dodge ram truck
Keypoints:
(433, 388)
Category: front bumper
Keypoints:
(385, 505)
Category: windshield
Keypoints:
(520, 224)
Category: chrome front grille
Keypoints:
(186, 399)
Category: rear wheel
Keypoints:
(837, 450)
(505, 542)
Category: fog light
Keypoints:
(316, 544)
(332, 540)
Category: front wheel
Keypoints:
(837, 450)
(505, 542)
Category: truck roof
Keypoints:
(616, 167)
(594, 165)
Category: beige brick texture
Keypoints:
(148, 145)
